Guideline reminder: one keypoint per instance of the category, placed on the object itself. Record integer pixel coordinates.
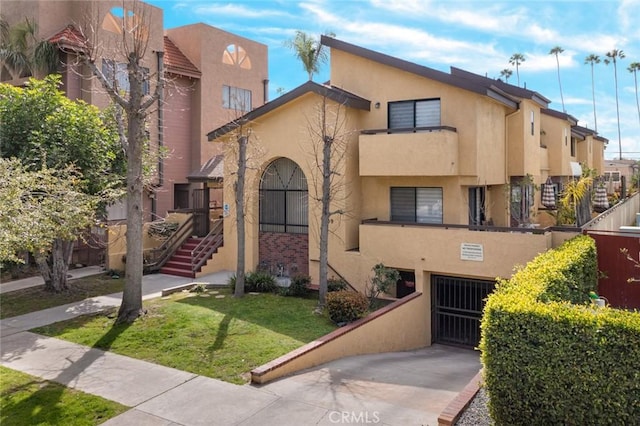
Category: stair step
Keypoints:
(178, 265)
(182, 258)
(177, 272)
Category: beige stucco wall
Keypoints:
(403, 326)
(557, 138)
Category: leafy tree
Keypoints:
(557, 51)
(42, 212)
(506, 73)
(612, 57)
(593, 59)
(136, 105)
(634, 68)
(517, 59)
(44, 129)
(22, 53)
(309, 50)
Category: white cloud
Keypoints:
(238, 11)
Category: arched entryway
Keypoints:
(284, 219)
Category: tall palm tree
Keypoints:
(593, 59)
(557, 51)
(612, 57)
(22, 53)
(517, 59)
(506, 73)
(309, 50)
(634, 68)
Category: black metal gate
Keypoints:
(201, 212)
(456, 306)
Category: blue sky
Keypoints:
(479, 36)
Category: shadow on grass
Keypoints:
(290, 316)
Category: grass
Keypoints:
(222, 338)
(27, 400)
(36, 298)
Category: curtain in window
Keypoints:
(410, 114)
(284, 198)
(417, 205)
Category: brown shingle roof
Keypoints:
(69, 38)
(176, 62)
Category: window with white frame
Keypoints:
(416, 205)
(117, 74)
(236, 98)
(416, 113)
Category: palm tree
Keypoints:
(22, 54)
(612, 57)
(634, 68)
(557, 51)
(593, 59)
(517, 59)
(309, 51)
(506, 73)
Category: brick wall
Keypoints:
(289, 249)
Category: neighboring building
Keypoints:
(212, 77)
(430, 159)
(615, 171)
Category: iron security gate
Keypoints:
(201, 212)
(456, 306)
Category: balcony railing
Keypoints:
(416, 151)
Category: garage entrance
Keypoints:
(456, 309)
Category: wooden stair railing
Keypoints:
(209, 245)
(160, 255)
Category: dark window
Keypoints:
(284, 198)
(411, 114)
(236, 98)
(573, 147)
(181, 196)
(521, 201)
(417, 205)
(476, 205)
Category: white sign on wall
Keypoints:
(225, 210)
(471, 251)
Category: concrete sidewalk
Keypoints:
(402, 388)
(38, 280)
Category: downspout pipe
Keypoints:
(154, 201)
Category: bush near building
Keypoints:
(551, 357)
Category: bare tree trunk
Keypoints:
(239, 193)
(324, 220)
(54, 266)
(131, 307)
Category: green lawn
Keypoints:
(27, 400)
(223, 338)
(36, 298)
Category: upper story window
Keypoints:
(117, 73)
(284, 204)
(417, 205)
(533, 121)
(573, 147)
(412, 114)
(236, 98)
(236, 55)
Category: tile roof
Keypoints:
(69, 38)
(176, 62)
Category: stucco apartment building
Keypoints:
(437, 178)
(212, 77)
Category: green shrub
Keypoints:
(549, 356)
(299, 286)
(346, 306)
(258, 282)
(336, 284)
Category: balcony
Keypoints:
(420, 151)
(452, 249)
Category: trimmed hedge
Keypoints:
(346, 306)
(549, 356)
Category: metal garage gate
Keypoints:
(456, 306)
